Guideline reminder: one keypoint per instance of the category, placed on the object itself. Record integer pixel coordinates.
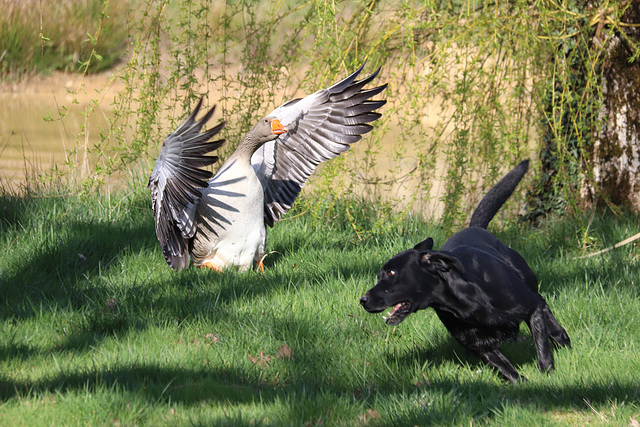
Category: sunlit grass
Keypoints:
(47, 35)
(96, 329)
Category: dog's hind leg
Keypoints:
(538, 325)
(559, 336)
(499, 361)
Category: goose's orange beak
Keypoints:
(277, 128)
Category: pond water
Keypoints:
(29, 144)
(33, 136)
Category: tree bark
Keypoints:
(613, 170)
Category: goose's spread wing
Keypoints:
(320, 127)
(176, 181)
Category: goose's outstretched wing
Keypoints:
(176, 181)
(320, 127)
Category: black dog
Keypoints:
(480, 289)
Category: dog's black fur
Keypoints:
(480, 289)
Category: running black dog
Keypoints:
(480, 289)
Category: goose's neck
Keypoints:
(249, 144)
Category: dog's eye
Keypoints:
(390, 273)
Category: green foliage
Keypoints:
(447, 106)
(474, 87)
(95, 328)
(43, 36)
(572, 102)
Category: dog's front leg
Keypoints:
(538, 326)
(499, 361)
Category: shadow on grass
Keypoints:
(299, 390)
(58, 271)
(446, 349)
(451, 401)
(110, 301)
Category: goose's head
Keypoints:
(268, 129)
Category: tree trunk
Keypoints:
(613, 174)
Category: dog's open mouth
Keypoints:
(398, 314)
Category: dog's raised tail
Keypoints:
(495, 198)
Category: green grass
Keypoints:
(65, 35)
(97, 330)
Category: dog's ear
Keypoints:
(441, 261)
(425, 245)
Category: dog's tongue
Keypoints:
(398, 307)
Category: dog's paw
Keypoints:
(546, 366)
(561, 340)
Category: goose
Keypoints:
(222, 221)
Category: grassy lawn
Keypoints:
(97, 330)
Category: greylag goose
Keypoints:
(223, 222)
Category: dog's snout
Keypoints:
(364, 299)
